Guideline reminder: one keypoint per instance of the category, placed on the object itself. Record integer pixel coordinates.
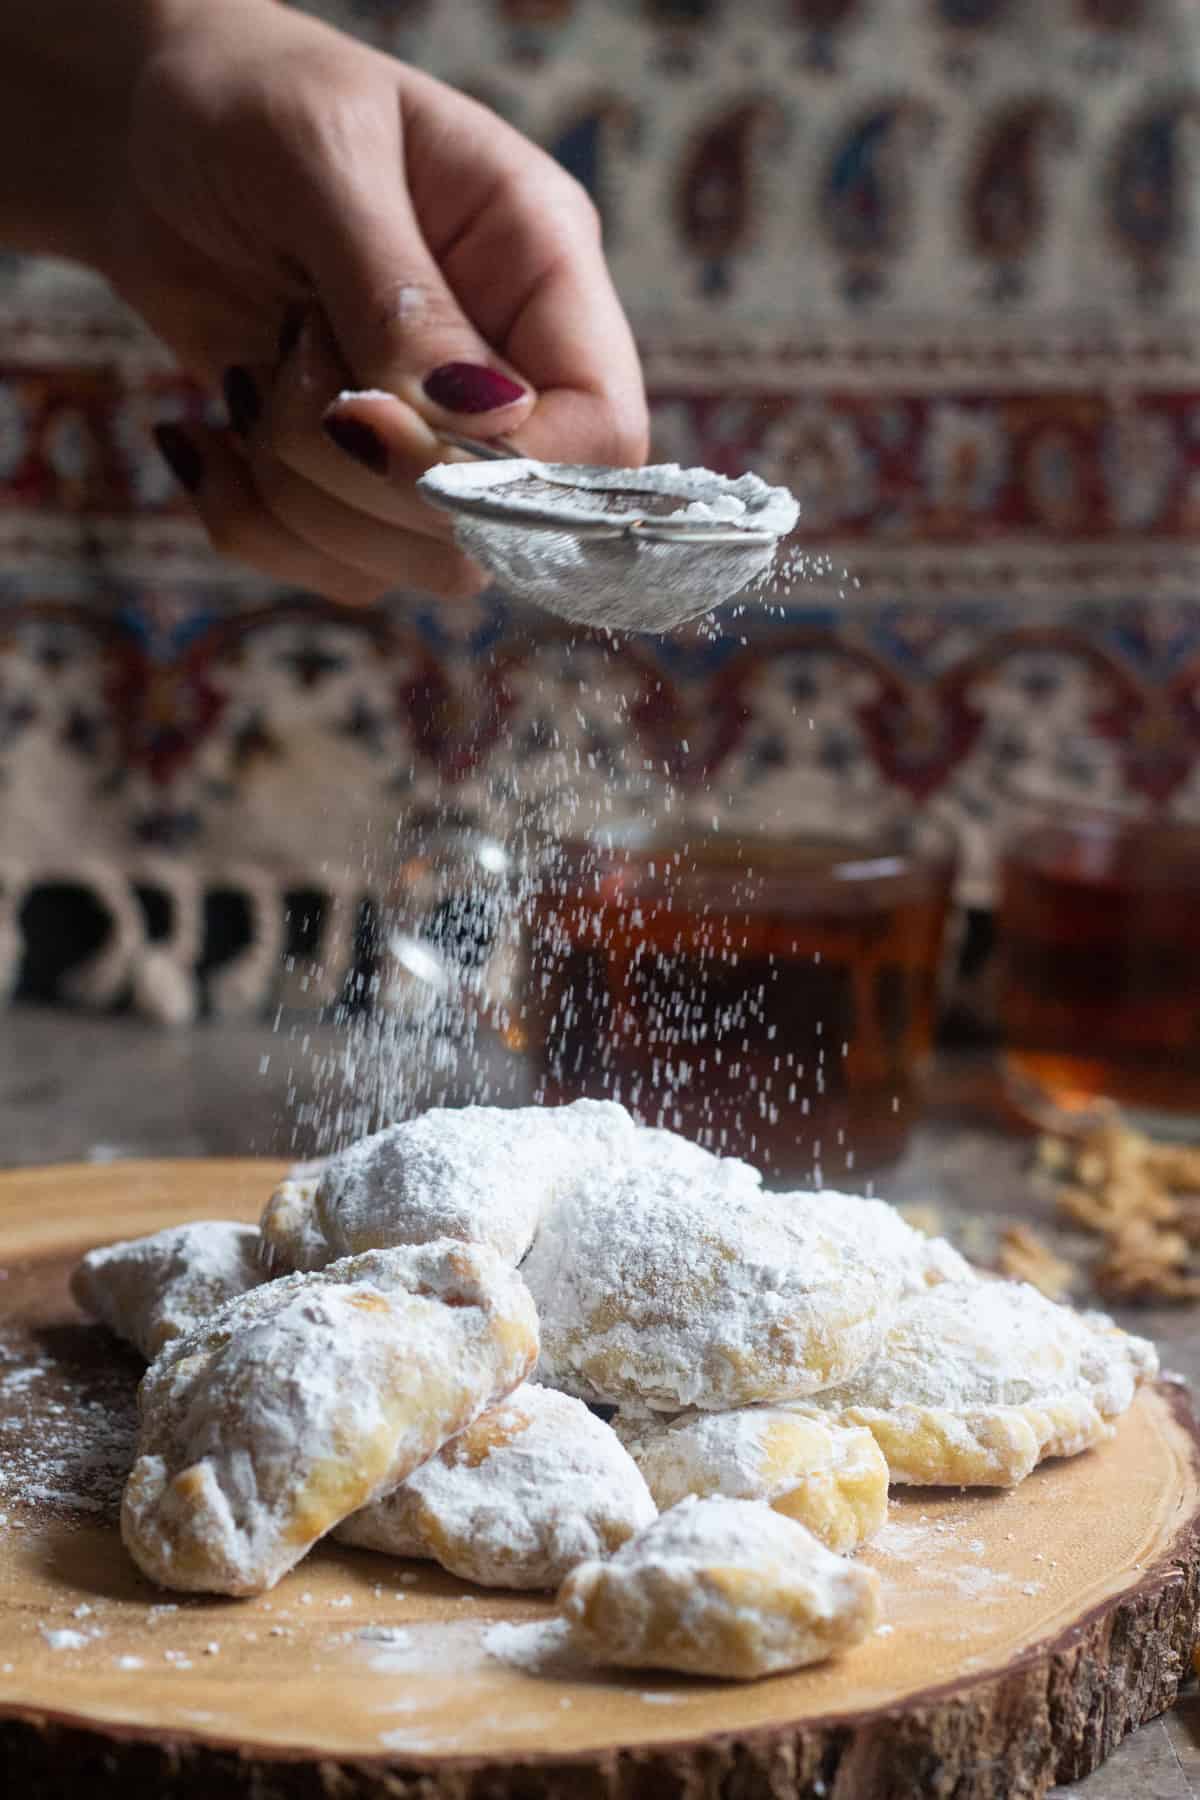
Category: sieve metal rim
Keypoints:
(652, 531)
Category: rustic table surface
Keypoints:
(74, 1089)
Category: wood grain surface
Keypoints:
(1025, 1633)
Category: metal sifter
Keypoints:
(625, 549)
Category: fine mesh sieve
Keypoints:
(628, 549)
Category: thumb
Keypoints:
(399, 325)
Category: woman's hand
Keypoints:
(297, 215)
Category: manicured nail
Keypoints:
(357, 440)
(180, 455)
(242, 399)
(464, 387)
(289, 331)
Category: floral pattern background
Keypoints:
(934, 264)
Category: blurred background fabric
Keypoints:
(933, 263)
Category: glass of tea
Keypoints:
(772, 997)
(1099, 966)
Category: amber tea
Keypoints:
(773, 999)
(1100, 967)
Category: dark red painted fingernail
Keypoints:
(180, 455)
(358, 440)
(289, 331)
(464, 387)
(242, 399)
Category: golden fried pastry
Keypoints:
(976, 1383)
(834, 1480)
(533, 1487)
(720, 1587)
(304, 1400)
(673, 1281)
(152, 1289)
(290, 1234)
(920, 1260)
(482, 1174)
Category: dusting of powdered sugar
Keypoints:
(675, 1281)
(667, 1598)
(67, 1431)
(705, 1453)
(615, 583)
(763, 1453)
(67, 1639)
(962, 1346)
(151, 1289)
(370, 393)
(917, 1558)
(482, 1174)
(453, 1648)
(922, 1261)
(536, 1485)
(308, 1397)
(529, 1646)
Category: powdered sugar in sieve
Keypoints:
(627, 549)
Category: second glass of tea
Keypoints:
(772, 997)
(1099, 963)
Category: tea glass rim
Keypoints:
(885, 856)
(1029, 811)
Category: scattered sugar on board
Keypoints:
(526, 1646)
(65, 1638)
(454, 1648)
(429, 1742)
(66, 1435)
(947, 1563)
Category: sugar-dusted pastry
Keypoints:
(675, 1281)
(291, 1238)
(975, 1383)
(921, 1261)
(304, 1400)
(720, 1587)
(832, 1479)
(483, 1174)
(152, 1289)
(536, 1485)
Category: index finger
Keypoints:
(519, 244)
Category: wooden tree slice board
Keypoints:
(1025, 1632)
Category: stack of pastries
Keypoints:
(549, 1348)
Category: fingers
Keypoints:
(368, 454)
(397, 322)
(573, 337)
(387, 554)
(523, 252)
(273, 520)
(218, 483)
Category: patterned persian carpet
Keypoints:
(934, 263)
